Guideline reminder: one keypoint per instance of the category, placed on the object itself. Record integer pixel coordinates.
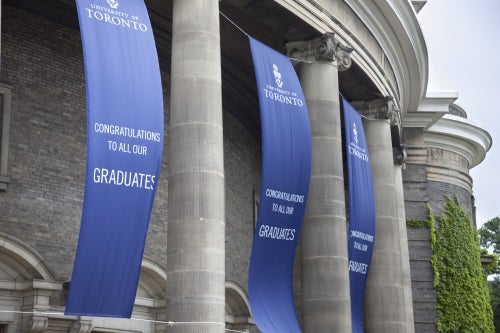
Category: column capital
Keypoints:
(386, 109)
(383, 108)
(324, 48)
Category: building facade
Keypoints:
(194, 271)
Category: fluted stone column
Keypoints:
(325, 279)
(196, 221)
(385, 305)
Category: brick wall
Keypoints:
(242, 168)
(422, 280)
(42, 205)
(416, 192)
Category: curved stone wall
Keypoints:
(448, 175)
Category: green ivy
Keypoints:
(417, 224)
(462, 292)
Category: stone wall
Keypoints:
(422, 280)
(430, 175)
(242, 167)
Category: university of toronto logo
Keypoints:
(277, 76)
(113, 4)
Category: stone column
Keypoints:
(325, 279)
(196, 212)
(399, 164)
(385, 305)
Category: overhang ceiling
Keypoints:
(264, 20)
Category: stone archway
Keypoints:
(19, 262)
(26, 284)
(238, 315)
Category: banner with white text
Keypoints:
(124, 152)
(361, 211)
(286, 173)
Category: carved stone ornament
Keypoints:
(81, 327)
(383, 108)
(37, 324)
(324, 48)
(400, 155)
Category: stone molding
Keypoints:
(461, 136)
(324, 48)
(446, 175)
(81, 327)
(378, 109)
(457, 111)
(416, 155)
(37, 324)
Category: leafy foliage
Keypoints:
(416, 224)
(495, 302)
(489, 235)
(462, 293)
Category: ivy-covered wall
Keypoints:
(460, 282)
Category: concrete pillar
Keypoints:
(196, 212)
(325, 279)
(399, 164)
(385, 305)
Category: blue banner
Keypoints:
(361, 212)
(286, 173)
(124, 152)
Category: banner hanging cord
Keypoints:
(231, 21)
(169, 323)
(246, 34)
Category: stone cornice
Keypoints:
(396, 28)
(430, 109)
(422, 119)
(461, 136)
(437, 101)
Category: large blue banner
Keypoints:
(124, 152)
(361, 212)
(286, 173)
